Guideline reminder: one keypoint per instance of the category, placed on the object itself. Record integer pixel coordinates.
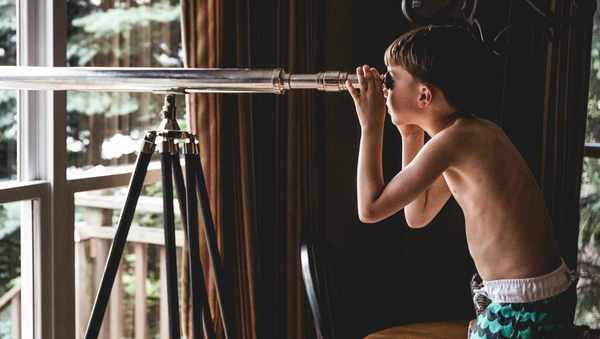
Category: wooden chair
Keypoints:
(328, 287)
(330, 290)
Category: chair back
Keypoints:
(329, 287)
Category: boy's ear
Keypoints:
(425, 96)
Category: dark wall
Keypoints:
(407, 275)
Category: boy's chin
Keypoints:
(396, 121)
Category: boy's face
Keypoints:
(403, 98)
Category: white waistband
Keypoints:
(529, 289)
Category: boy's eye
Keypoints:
(388, 82)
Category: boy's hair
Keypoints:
(448, 57)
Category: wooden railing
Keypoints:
(12, 298)
(92, 244)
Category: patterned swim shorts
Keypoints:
(548, 318)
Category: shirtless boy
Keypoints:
(431, 79)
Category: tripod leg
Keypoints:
(120, 239)
(165, 148)
(211, 239)
(197, 283)
(200, 305)
(180, 188)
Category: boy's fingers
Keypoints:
(376, 74)
(368, 79)
(377, 80)
(362, 81)
(351, 89)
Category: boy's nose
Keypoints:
(385, 92)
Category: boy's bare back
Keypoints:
(509, 231)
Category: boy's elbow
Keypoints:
(415, 222)
(367, 220)
(368, 216)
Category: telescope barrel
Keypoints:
(181, 80)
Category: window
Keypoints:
(104, 130)
(10, 213)
(8, 98)
(10, 270)
(58, 149)
(588, 307)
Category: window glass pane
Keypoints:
(10, 270)
(8, 98)
(139, 278)
(588, 289)
(104, 128)
(593, 116)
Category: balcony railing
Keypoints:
(12, 298)
(92, 244)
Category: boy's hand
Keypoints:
(370, 102)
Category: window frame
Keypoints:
(591, 150)
(47, 301)
(47, 223)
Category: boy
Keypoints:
(432, 77)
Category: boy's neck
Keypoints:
(441, 120)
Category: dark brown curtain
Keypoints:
(260, 156)
(202, 44)
(539, 96)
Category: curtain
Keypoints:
(539, 96)
(202, 44)
(261, 156)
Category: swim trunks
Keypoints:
(541, 307)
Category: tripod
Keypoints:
(169, 139)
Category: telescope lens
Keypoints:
(388, 82)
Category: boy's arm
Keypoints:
(376, 200)
(370, 108)
(423, 209)
(420, 183)
(370, 182)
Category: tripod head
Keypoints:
(169, 121)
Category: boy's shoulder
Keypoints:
(470, 134)
(470, 125)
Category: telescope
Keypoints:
(172, 143)
(170, 80)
